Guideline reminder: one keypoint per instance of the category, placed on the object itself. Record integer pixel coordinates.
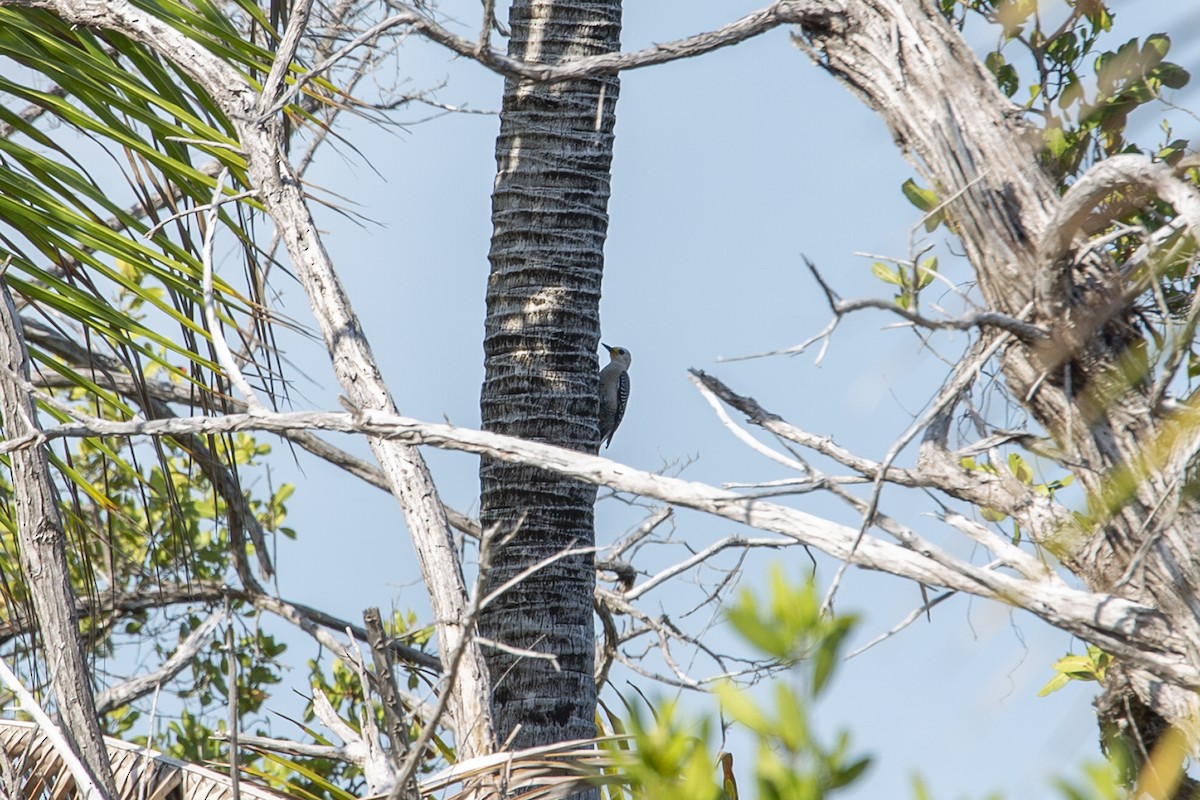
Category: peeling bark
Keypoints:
(43, 551)
(972, 145)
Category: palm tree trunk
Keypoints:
(549, 211)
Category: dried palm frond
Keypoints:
(140, 773)
(537, 773)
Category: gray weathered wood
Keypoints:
(354, 364)
(973, 147)
(43, 551)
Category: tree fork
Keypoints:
(973, 146)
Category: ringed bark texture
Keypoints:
(549, 211)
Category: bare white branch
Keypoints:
(740, 433)
(1006, 552)
(130, 690)
(729, 542)
(212, 322)
(1132, 630)
(913, 616)
(1106, 177)
(25, 700)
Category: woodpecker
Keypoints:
(614, 392)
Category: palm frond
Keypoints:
(541, 773)
(140, 773)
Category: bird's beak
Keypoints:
(606, 347)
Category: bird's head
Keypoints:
(619, 355)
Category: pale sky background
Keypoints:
(727, 169)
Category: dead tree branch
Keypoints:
(1094, 187)
(42, 544)
(1132, 630)
(283, 198)
(127, 692)
(937, 468)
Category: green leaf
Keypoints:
(1005, 74)
(924, 199)
(1155, 49)
(920, 789)
(1053, 685)
(927, 270)
(1013, 14)
(927, 201)
(1097, 14)
(824, 662)
(1173, 150)
(848, 774)
(1008, 80)
(791, 727)
(1064, 49)
(1091, 666)
(992, 515)
(1056, 141)
(887, 274)
(1020, 469)
(1172, 76)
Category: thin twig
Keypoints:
(963, 376)
(912, 617)
(127, 692)
(224, 355)
(740, 433)
(235, 721)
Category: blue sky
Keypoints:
(727, 169)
